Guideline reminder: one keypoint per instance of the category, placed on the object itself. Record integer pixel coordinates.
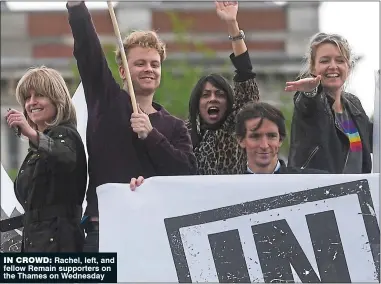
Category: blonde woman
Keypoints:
(330, 129)
(51, 182)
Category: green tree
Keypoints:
(287, 108)
(12, 173)
(178, 76)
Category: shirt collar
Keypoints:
(275, 170)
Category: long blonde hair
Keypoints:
(49, 83)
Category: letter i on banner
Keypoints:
(376, 125)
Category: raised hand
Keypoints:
(303, 85)
(227, 10)
(16, 118)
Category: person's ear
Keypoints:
(122, 72)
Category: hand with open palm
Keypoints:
(227, 10)
(303, 85)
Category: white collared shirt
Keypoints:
(276, 168)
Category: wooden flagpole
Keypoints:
(124, 58)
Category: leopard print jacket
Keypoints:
(218, 152)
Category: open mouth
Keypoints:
(35, 110)
(332, 75)
(213, 111)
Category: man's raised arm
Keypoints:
(97, 79)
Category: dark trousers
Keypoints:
(92, 237)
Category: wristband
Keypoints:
(311, 94)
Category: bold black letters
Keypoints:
(278, 248)
(228, 257)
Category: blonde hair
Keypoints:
(320, 38)
(48, 83)
(146, 39)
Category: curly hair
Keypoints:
(146, 39)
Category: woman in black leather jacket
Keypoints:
(330, 129)
(51, 182)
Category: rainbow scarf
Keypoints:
(354, 137)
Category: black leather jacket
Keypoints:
(51, 186)
(316, 140)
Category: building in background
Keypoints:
(276, 35)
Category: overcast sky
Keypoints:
(357, 21)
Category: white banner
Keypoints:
(9, 203)
(249, 228)
(79, 102)
(10, 207)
